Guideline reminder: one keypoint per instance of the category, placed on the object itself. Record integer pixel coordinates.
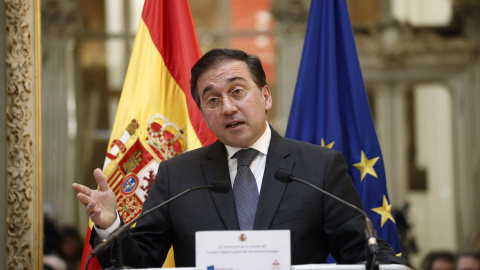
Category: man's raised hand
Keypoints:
(101, 203)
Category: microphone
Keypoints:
(370, 233)
(218, 187)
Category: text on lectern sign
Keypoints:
(242, 250)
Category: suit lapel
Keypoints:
(215, 168)
(272, 190)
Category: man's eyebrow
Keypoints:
(209, 87)
(230, 80)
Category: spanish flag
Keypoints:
(157, 117)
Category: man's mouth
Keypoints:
(234, 124)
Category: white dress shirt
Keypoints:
(258, 164)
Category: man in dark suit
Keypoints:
(230, 88)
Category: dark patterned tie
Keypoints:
(245, 189)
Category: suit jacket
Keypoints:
(319, 225)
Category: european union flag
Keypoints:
(330, 108)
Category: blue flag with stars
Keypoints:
(330, 108)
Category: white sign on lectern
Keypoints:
(242, 250)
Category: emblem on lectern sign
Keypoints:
(275, 265)
(242, 237)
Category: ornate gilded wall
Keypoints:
(23, 241)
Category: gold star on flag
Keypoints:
(330, 145)
(366, 166)
(385, 211)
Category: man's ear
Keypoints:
(267, 97)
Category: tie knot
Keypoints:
(245, 156)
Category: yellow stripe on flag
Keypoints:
(147, 74)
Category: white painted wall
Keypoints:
(423, 12)
(432, 212)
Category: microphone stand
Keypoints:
(372, 245)
(116, 260)
(117, 236)
(370, 233)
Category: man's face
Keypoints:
(237, 124)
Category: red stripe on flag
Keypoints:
(116, 181)
(175, 38)
(87, 249)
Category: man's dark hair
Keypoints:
(215, 57)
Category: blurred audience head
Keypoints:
(71, 246)
(476, 243)
(468, 261)
(51, 236)
(439, 260)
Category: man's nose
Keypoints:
(228, 105)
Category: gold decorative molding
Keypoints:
(22, 136)
(38, 138)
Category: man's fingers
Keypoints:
(85, 200)
(81, 189)
(101, 180)
(91, 206)
(94, 214)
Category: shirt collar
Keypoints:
(261, 144)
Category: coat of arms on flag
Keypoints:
(132, 161)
